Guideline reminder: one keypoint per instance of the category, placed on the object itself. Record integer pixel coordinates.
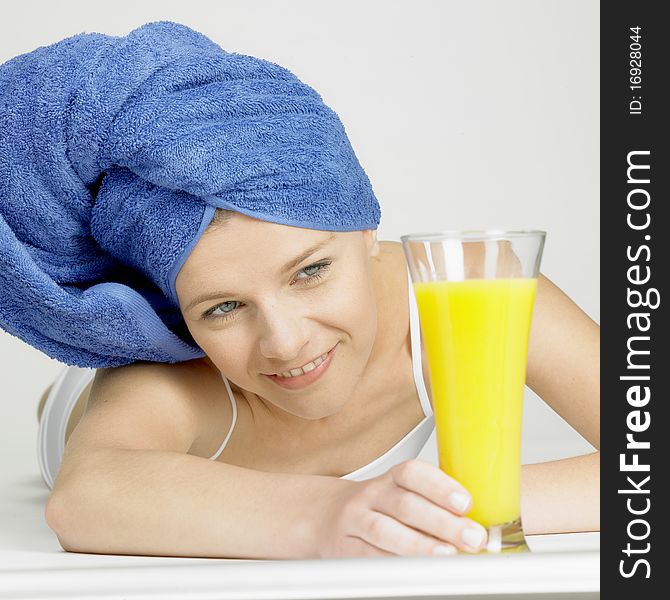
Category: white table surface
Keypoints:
(565, 566)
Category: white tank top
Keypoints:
(409, 446)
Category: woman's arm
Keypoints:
(163, 503)
(563, 366)
(561, 496)
(127, 485)
(564, 370)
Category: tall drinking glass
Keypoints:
(475, 291)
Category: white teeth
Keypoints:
(304, 369)
(311, 366)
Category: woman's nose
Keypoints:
(282, 338)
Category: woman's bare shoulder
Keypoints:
(143, 369)
(144, 405)
(196, 382)
(390, 267)
(391, 248)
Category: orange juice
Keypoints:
(476, 336)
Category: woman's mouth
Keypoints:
(301, 381)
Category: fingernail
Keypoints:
(459, 501)
(450, 550)
(473, 537)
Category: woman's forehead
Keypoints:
(278, 246)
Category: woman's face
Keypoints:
(255, 311)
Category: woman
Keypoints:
(190, 319)
(351, 295)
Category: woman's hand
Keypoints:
(410, 510)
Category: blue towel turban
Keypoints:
(115, 153)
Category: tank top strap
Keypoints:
(232, 426)
(415, 335)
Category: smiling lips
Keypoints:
(305, 368)
(306, 375)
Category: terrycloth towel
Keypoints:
(114, 154)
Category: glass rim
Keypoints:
(473, 235)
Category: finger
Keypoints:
(387, 533)
(356, 546)
(419, 513)
(431, 482)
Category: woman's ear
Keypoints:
(370, 236)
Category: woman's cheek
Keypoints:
(355, 309)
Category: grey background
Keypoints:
(469, 114)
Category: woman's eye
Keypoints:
(314, 272)
(318, 267)
(210, 314)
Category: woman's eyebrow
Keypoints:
(307, 253)
(287, 267)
